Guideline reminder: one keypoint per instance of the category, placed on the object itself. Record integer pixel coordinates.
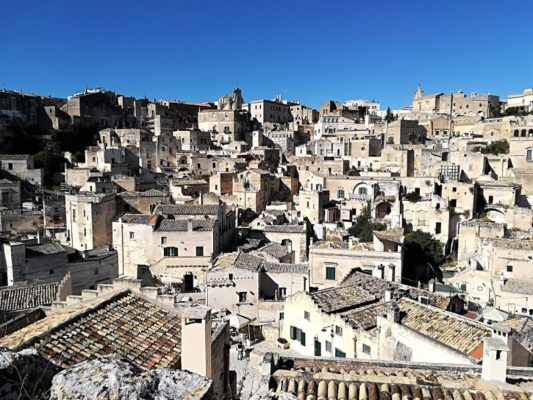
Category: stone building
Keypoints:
(88, 219)
(10, 194)
(331, 262)
(21, 166)
(249, 285)
(341, 321)
(271, 111)
(294, 237)
(405, 131)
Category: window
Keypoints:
(529, 155)
(307, 316)
(51, 272)
(340, 193)
(491, 199)
(163, 240)
(423, 299)
(338, 330)
(438, 228)
(96, 271)
(282, 292)
(509, 268)
(339, 353)
(328, 346)
(453, 203)
(73, 215)
(298, 335)
(330, 272)
(242, 297)
(132, 235)
(10, 166)
(170, 251)
(199, 251)
(366, 349)
(454, 189)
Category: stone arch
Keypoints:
(362, 189)
(383, 209)
(495, 215)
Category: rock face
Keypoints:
(24, 375)
(112, 378)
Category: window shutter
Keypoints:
(302, 338)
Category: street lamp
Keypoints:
(332, 333)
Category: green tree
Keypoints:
(51, 162)
(364, 226)
(413, 197)
(497, 147)
(423, 247)
(389, 116)
(75, 138)
(423, 255)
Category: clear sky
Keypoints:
(304, 49)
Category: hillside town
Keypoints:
(245, 248)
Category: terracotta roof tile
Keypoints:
(27, 297)
(129, 325)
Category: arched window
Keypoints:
(362, 190)
(516, 133)
(288, 244)
(523, 133)
(530, 132)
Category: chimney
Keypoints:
(393, 313)
(189, 225)
(389, 291)
(432, 286)
(494, 367)
(196, 340)
(201, 198)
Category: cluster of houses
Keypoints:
(181, 215)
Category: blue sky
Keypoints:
(305, 49)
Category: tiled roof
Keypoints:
(145, 334)
(341, 298)
(248, 261)
(180, 225)
(188, 209)
(393, 235)
(274, 249)
(27, 297)
(44, 249)
(143, 219)
(287, 228)
(377, 286)
(14, 156)
(452, 330)
(365, 317)
(148, 193)
(514, 244)
(521, 286)
(286, 268)
(320, 379)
